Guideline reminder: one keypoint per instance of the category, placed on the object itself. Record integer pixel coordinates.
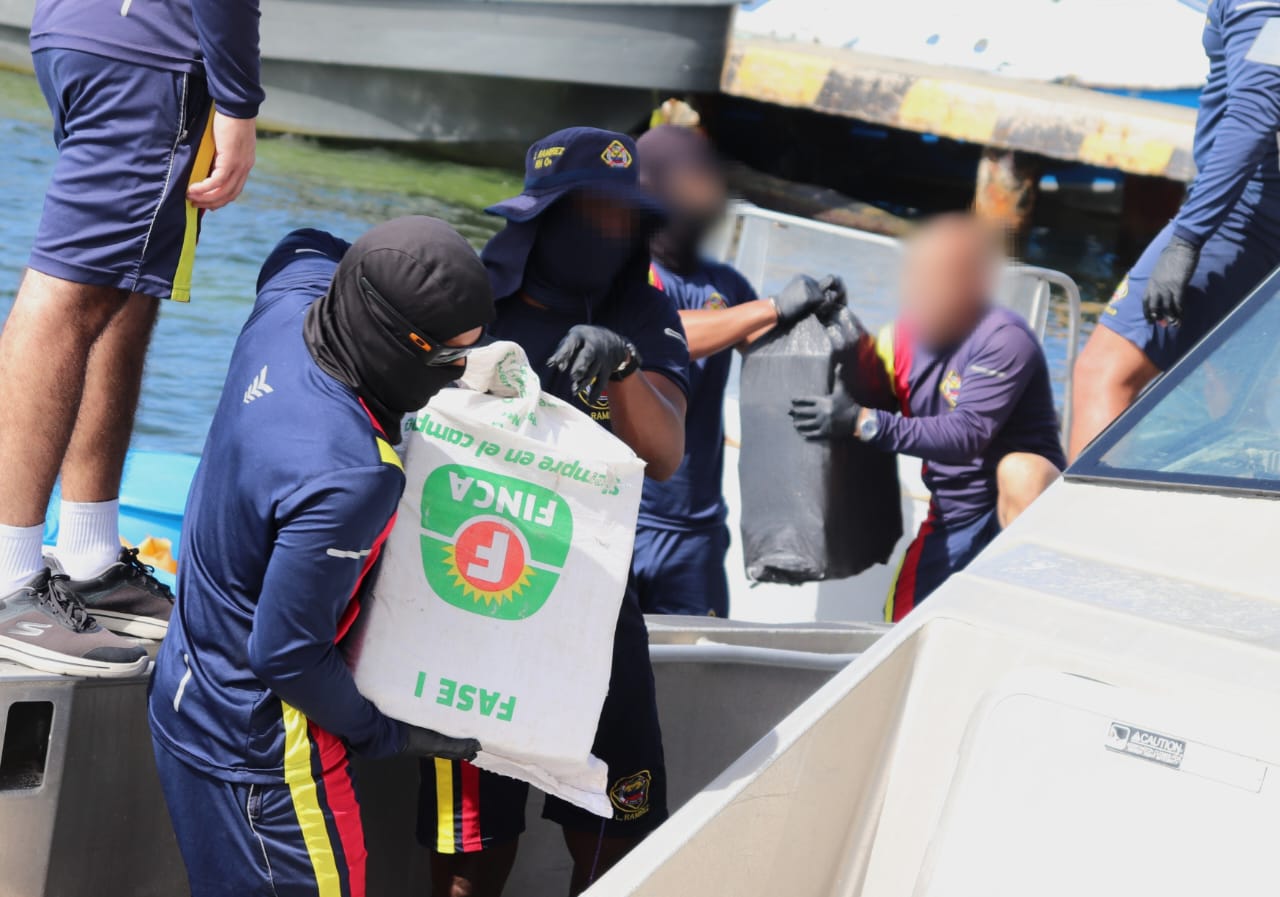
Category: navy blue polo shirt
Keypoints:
(641, 314)
(693, 498)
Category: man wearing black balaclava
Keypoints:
(253, 710)
(570, 273)
(682, 538)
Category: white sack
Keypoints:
(500, 584)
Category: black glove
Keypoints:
(802, 297)
(826, 417)
(593, 355)
(1163, 298)
(426, 743)
(834, 296)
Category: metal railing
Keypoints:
(764, 247)
(1030, 291)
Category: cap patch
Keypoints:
(546, 157)
(616, 155)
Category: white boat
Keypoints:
(1084, 710)
(1088, 709)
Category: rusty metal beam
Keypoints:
(1059, 121)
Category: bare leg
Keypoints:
(1021, 477)
(593, 856)
(482, 874)
(94, 457)
(1109, 374)
(44, 352)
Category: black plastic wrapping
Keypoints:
(814, 510)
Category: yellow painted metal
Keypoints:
(1135, 136)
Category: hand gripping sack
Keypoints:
(814, 510)
(500, 584)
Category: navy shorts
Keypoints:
(938, 550)
(130, 140)
(682, 572)
(1231, 265)
(300, 838)
(462, 809)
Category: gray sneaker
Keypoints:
(126, 597)
(44, 626)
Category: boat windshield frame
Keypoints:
(1090, 466)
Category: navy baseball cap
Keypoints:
(603, 162)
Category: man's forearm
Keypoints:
(646, 412)
(946, 439)
(319, 685)
(1237, 151)
(713, 330)
(1247, 131)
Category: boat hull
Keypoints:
(479, 80)
(1086, 709)
(93, 800)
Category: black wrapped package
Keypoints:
(814, 510)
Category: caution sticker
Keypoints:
(1163, 749)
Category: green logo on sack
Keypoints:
(492, 545)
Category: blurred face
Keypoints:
(607, 217)
(583, 243)
(949, 279)
(696, 192)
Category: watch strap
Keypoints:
(628, 367)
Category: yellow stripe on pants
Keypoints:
(893, 591)
(444, 807)
(306, 803)
(187, 260)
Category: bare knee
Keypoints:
(77, 312)
(128, 332)
(1021, 478)
(1108, 375)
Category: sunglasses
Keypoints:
(435, 352)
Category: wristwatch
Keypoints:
(630, 364)
(869, 429)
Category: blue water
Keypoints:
(296, 184)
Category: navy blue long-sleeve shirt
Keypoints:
(693, 498)
(287, 513)
(218, 38)
(965, 408)
(1235, 145)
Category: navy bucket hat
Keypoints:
(603, 162)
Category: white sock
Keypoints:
(21, 556)
(88, 537)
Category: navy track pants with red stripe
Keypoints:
(301, 837)
(938, 550)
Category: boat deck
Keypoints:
(1076, 124)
